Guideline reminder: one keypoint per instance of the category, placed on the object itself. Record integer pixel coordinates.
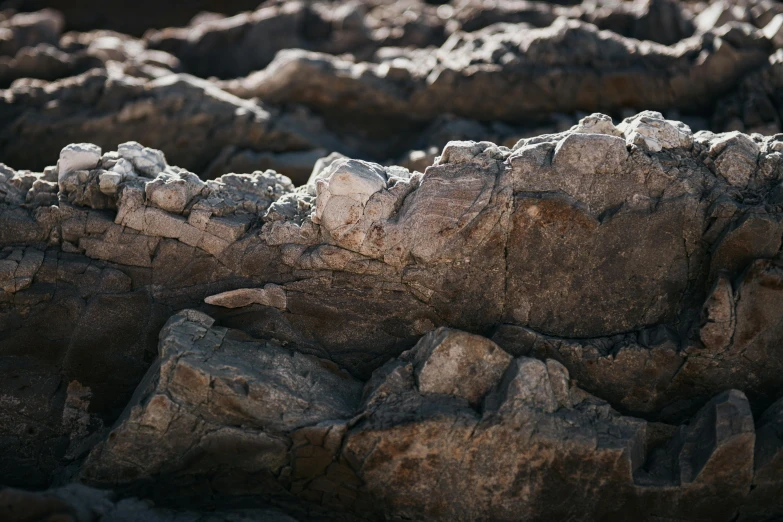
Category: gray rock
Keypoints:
(612, 72)
(189, 119)
(211, 390)
(457, 363)
(147, 161)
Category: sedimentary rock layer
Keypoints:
(631, 268)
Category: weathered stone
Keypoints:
(270, 295)
(457, 363)
(509, 63)
(625, 279)
(75, 157)
(652, 132)
(210, 391)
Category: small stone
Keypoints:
(146, 160)
(108, 182)
(341, 196)
(173, 192)
(50, 173)
(458, 363)
(77, 156)
(597, 123)
(774, 31)
(736, 157)
(526, 384)
(271, 295)
(651, 131)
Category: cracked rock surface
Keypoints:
(388, 82)
(413, 260)
(601, 302)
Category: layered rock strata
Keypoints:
(631, 268)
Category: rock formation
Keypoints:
(628, 273)
(360, 261)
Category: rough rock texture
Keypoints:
(641, 260)
(418, 448)
(190, 119)
(341, 260)
(374, 80)
(611, 73)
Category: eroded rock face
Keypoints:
(509, 63)
(188, 118)
(252, 418)
(543, 314)
(628, 274)
(202, 375)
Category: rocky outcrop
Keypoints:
(338, 260)
(379, 81)
(254, 38)
(642, 259)
(193, 121)
(250, 418)
(569, 66)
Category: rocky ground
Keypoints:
(470, 260)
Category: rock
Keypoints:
(597, 124)
(642, 278)
(30, 29)
(717, 448)
(204, 377)
(774, 31)
(351, 27)
(456, 363)
(173, 192)
(720, 13)
(77, 156)
(652, 132)
(172, 114)
(270, 295)
(289, 325)
(736, 157)
(600, 63)
(526, 385)
(149, 162)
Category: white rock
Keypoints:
(146, 160)
(321, 167)
(271, 295)
(596, 123)
(173, 192)
(109, 181)
(774, 31)
(651, 131)
(124, 168)
(341, 196)
(77, 156)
